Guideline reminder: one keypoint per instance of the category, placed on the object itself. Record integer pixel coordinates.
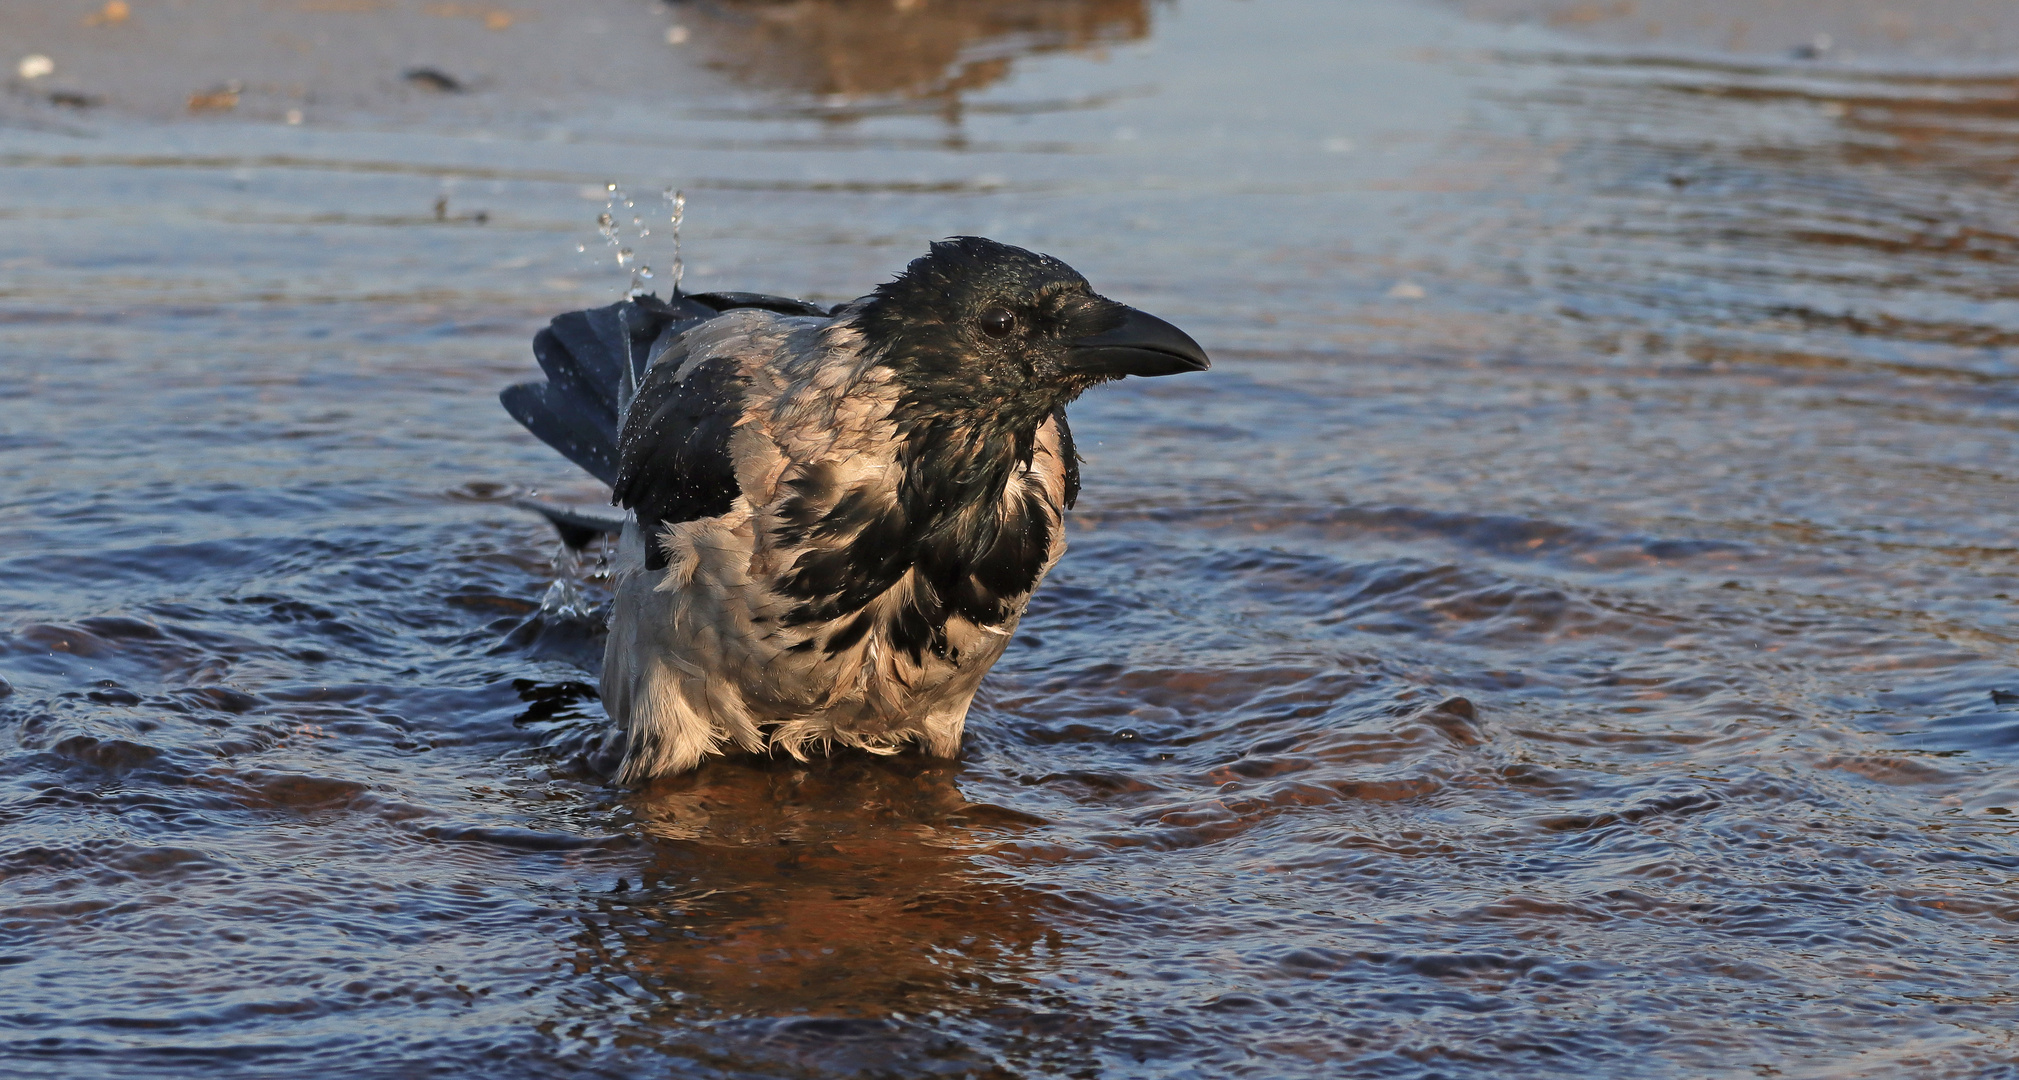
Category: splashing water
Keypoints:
(615, 204)
(608, 226)
(564, 596)
(639, 273)
(676, 201)
(606, 222)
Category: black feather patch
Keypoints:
(674, 463)
(1069, 456)
(847, 636)
(858, 546)
(970, 527)
(814, 491)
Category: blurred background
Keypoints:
(1571, 629)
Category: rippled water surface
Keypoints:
(1569, 633)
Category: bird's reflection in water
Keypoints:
(840, 889)
(856, 51)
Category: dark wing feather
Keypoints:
(783, 305)
(577, 359)
(673, 461)
(585, 355)
(1071, 459)
(566, 423)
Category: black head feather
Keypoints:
(980, 333)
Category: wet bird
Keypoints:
(833, 519)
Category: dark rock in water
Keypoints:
(1814, 49)
(435, 79)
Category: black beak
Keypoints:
(1142, 345)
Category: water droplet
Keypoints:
(580, 248)
(605, 220)
(612, 186)
(644, 271)
(624, 256)
(677, 203)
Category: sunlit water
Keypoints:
(1569, 633)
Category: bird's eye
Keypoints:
(998, 322)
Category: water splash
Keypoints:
(606, 224)
(676, 203)
(617, 205)
(564, 597)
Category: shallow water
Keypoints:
(1570, 631)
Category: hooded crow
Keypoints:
(834, 519)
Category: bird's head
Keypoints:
(985, 333)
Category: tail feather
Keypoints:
(592, 360)
(561, 422)
(578, 525)
(586, 352)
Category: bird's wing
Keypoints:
(595, 361)
(675, 461)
